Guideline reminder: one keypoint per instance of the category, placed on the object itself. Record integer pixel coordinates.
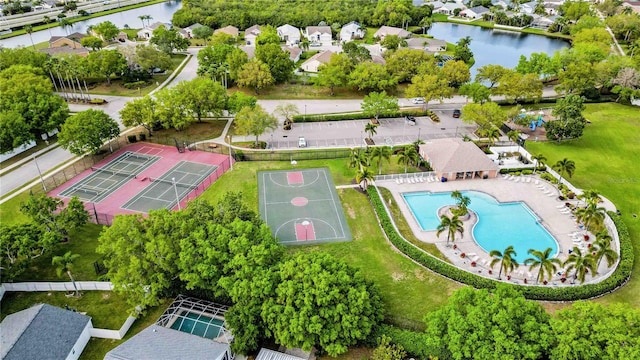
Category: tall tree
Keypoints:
(254, 121)
(456, 73)
(369, 76)
(149, 58)
(564, 166)
(379, 103)
(506, 259)
(476, 324)
(14, 131)
(287, 110)
(357, 53)
(203, 32)
(278, 61)
(405, 63)
(580, 263)
(202, 97)
(107, 63)
(486, 115)
(381, 153)
(87, 131)
(370, 129)
(335, 73)
(492, 74)
(429, 87)
(451, 225)
(592, 216)
(29, 30)
(64, 264)
(463, 52)
(140, 112)
(363, 177)
(602, 250)
(314, 289)
(106, 30)
(255, 74)
(544, 261)
(475, 91)
(51, 214)
(408, 156)
(20, 244)
(171, 110)
(538, 160)
(168, 40)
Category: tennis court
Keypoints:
(302, 206)
(166, 191)
(103, 181)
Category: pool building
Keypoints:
(189, 328)
(456, 159)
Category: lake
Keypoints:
(493, 46)
(159, 12)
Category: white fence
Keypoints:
(114, 334)
(425, 174)
(57, 286)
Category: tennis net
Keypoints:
(136, 156)
(170, 182)
(112, 172)
(89, 190)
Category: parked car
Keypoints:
(456, 113)
(418, 100)
(302, 142)
(410, 119)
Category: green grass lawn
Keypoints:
(606, 159)
(107, 309)
(197, 131)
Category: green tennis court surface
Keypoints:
(302, 206)
(104, 181)
(171, 187)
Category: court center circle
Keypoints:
(299, 201)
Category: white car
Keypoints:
(302, 142)
(418, 100)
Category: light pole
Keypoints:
(39, 173)
(305, 224)
(230, 155)
(271, 140)
(305, 112)
(419, 134)
(175, 188)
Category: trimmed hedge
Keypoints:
(413, 342)
(356, 116)
(620, 275)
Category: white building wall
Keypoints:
(83, 339)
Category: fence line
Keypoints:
(424, 174)
(57, 286)
(113, 334)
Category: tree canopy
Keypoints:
(376, 104)
(87, 131)
(254, 121)
(168, 40)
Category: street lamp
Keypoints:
(230, 155)
(419, 134)
(305, 112)
(39, 173)
(175, 188)
(305, 224)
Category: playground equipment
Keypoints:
(536, 122)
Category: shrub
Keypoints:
(135, 84)
(527, 172)
(97, 101)
(414, 343)
(550, 178)
(620, 275)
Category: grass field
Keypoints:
(606, 159)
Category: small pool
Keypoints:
(499, 224)
(197, 324)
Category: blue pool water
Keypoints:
(499, 224)
(197, 324)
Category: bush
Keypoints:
(356, 116)
(527, 172)
(131, 138)
(97, 101)
(550, 178)
(620, 275)
(414, 343)
(135, 84)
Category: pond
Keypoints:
(159, 12)
(494, 46)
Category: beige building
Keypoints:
(455, 159)
(314, 62)
(229, 30)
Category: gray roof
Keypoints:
(39, 330)
(266, 354)
(479, 9)
(160, 343)
(455, 155)
(320, 29)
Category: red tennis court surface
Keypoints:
(112, 203)
(295, 177)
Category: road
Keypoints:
(318, 135)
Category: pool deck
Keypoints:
(541, 197)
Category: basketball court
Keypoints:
(302, 206)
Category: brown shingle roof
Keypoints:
(455, 155)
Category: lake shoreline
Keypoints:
(485, 25)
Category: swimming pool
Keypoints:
(499, 224)
(197, 324)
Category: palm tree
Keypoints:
(304, 44)
(381, 153)
(425, 23)
(64, 264)
(591, 196)
(602, 250)
(29, 29)
(46, 20)
(514, 136)
(142, 18)
(581, 263)
(564, 166)
(539, 159)
(64, 24)
(507, 261)
(363, 177)
(371, 130)
(590, 215)
(408, 156)
(358, 158)
(544, 261)
(462, 203)
(452, 225)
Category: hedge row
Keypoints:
(413, 342)
(356, 116)
(618, 278)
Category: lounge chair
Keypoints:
(504, 176)
(528, 180)
(517, 179)
(537, 182)
(561, 206)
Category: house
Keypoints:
(82, 51)
(435, 5)
(528, 8)
(633, 5)
(319, 34)
(189, 29)
(229, 30)
(455, 159)
(71, 41)
(249, 50)
(390, 30)
(147, 32)
(189, 329)
(426, 44)
(312, 64)
(289, 34)
(377, 59)
(504, 4)
(351, 31)
(294, 52)
(474, 12)
(250, 35)
(266, 354)
(44, 331)
(541, 22)
(122, 36)
(449, 8)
